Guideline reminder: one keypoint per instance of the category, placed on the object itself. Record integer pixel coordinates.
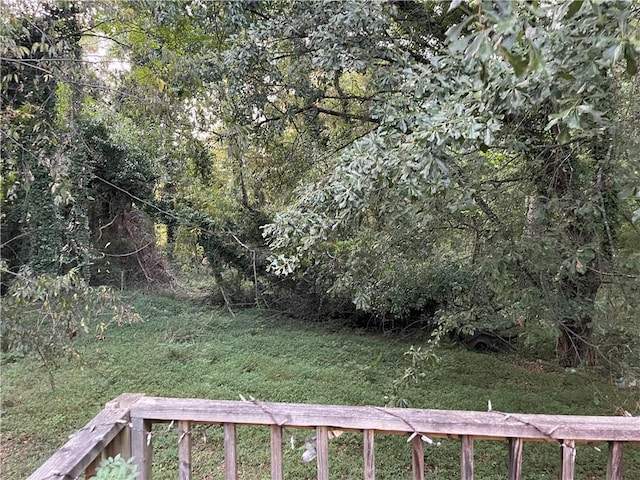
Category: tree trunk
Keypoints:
(574, 346)
(578, 289)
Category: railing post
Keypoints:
(466, 458)
(567, 467)
(141, 448)
(121, 444)
(369, 455)
(276, 453)
(184, 450)
(230, 458)
(417, 458)
(93, 467)
(322, 450)
(614, 463)
(125, 443)
(515, 459)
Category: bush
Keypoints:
(45, 313)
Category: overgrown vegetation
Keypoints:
(404, 167)
(47, 314)
(184, 350)
(462, 168)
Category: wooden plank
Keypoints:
(466, 459)
(369, 455)
(184, 450)
(230, 452)
(86, 444)
(91, 470)
(515, 459)
(322, 449)
(141, 446)
(417, 458)
(568, 460)
(614, 463)
(120, 445)
(277, 469)
(124, 439)
(114, 448)
(435, 423)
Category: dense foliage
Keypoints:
(464, 165)
(498, 152)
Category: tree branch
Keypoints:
(348, 116)
(325, 111)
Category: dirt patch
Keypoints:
(541, 366)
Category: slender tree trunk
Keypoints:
(533, 207)
(575, 346)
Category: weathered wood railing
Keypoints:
(124, 426)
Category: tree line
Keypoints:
(466, 165)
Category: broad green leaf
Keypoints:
(630, 56)
(454, 4)
(518, 63)
(613, 52)
(574, 8)
(475, 46)
(564, 136)
(535, 58)
(453, 33)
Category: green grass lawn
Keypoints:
(184, 350)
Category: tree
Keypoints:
(497, 149)
(75, 161)
(219, 176)
(36, 103)
(53, 152)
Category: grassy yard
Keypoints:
(184, 350)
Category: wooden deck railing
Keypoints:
(124, 426)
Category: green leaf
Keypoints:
(454, 4)
(535, 58)
(573, 119)
(455, 30)
(564, 136)
(566, 76)
(613, 52)
(574, 8)
(518, 63)
(474, 48)
(630, 55)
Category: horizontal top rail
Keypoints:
(445, 423)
